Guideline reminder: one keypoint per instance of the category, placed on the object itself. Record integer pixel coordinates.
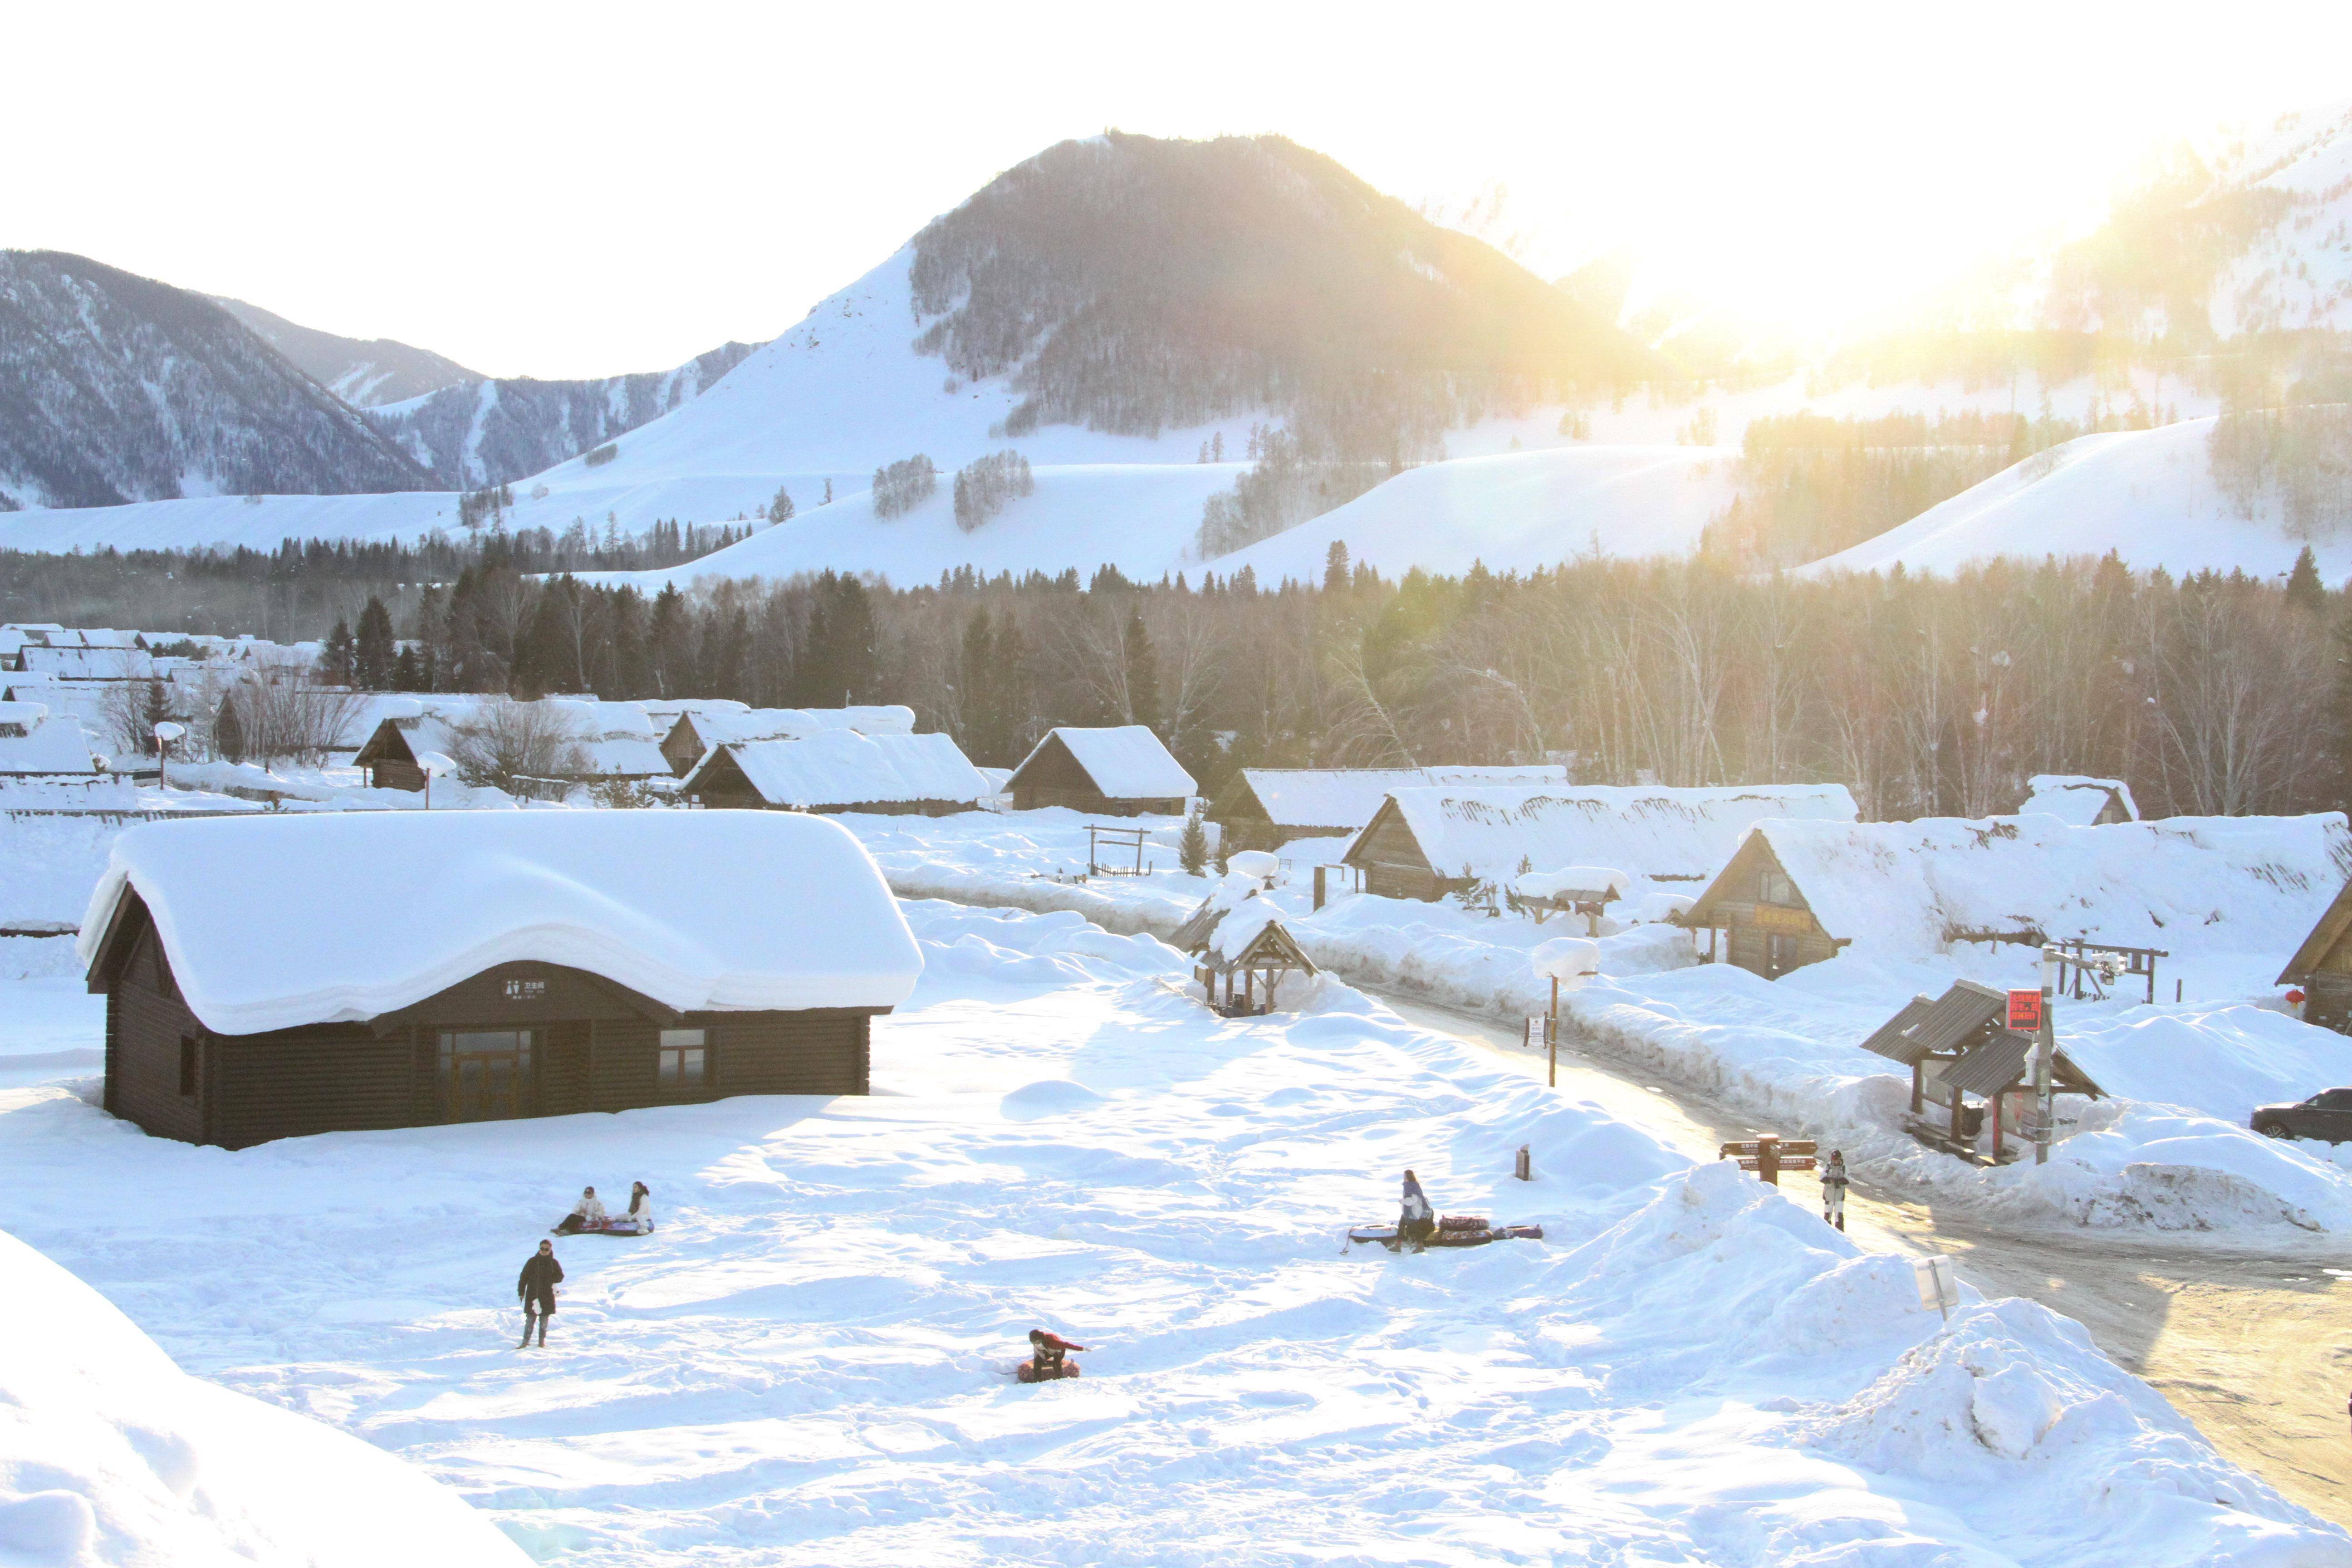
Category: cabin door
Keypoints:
(485, 1074)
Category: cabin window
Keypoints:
(1780, 951)
(1778, 888)
(685, 1065)
(187, 1066)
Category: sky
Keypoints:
(587, 189)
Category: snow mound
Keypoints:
(109, 1453)
(1049, 1097)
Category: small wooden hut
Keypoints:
(2322, 966)
(271, 977)
(1262, 808)
(1768, 927)
(1245, 939)
(840, 770)
(1124, 771)
(1957, 1045)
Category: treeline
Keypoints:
(1925, 696)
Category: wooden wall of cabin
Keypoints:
(2327, 995)
(145, 1023)
(1393, 864)
(333, 1078)
(392, 772)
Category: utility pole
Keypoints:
(2045, 1053)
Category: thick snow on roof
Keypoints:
(841, 767)
(800, 723)
(2074, 799)
(1650, 831)
(2219, 883)
(1126, 762)
(128, 1460)
(275, 922)
(88, 663)
(51, 743)
(616, 739)
(1241, 926)
(1347, 797)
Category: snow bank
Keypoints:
(110, 1454)
(274, 923)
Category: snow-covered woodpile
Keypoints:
(1429, 841)
(1797, 892)
(271, 977)
(1121, 771)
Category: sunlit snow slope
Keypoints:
(2147, 495)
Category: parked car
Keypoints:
(2327, 1116)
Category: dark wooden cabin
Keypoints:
(520, 1039)
(1765, 925)
(2322, 966)
(388, 758)
(1389, 855)
(1120, 772)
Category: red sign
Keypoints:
(2024, 1012)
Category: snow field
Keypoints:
(2172, 1150)
(807, 1364)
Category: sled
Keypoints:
(1386, 1235)
(559, 1230)
(1026, 1373)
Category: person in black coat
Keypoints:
(1417, 1221)
(541, 1274)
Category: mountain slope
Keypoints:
(2149, 496)
(365, 373)
(485, 432)
(116, 388)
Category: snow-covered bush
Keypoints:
(984, 485)
(503, 741)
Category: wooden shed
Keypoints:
(270, 978)
(1262, 808)
(2323, 967)
(1124, 771)
(840, 770)
(1427, 842)
(1767, 926)
(700, 726)
(1959, 1045)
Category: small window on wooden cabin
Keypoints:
(1777, 890)
(13, 731)
(685, 1061)
(187, 1066)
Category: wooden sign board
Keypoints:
(1788, 1146)
(1772, 917)
(2024, 1012)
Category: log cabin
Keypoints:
(1262, 808)
(697, 727)
(1123, 771)
(607, 740)
(1428, 842)
(2322, 966)
(840, 770)
(274, 977)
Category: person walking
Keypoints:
(536, 1288)
(1833, 1185)
(1417, 1221)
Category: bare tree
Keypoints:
(503, 741)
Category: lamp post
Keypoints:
(165, 733)
(433, 765)
(1575, 960)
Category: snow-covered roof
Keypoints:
(841, 767)
(1126, 762)
(1347, 797)
(52, 743)
(1490, 832)
(617, 740)
(86, 663)
(1907, 889)
(273, 923)
(666, 710)
(2074, 799)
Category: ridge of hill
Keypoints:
(364, 373)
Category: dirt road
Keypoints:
(2254, 1346)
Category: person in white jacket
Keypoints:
(588, 1213)
(640, 1217)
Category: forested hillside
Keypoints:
(365, 373)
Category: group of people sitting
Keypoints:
(588, 1214)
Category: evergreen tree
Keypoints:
(408, 672)
(1335, 567)
(372, 655)
(980, 708)
(2304, 589)
(335, 663)
(1142, 673)
(1192, 848)
(670, 644)
(548, 660)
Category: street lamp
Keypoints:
(434, 764)
(1574, 959)
(165, 733)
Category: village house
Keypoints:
(1798, 892)
(1262, 808)
(697, 728)
(600, 742)
(840, 770)
(1429, 841)
(2322, 966)
(2080, 801)
(272, 977)
(1124, 771)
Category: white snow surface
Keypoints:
(2147, 496)
(808, 1364)
(1346, 798)
(341, 916)
(842, 767)
(50, 744)
(1126, 762)
(2253, 885)
(110, 1453)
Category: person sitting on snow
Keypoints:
(1833, 1185)
(1418, 1222)
(1046, 1362)
(588, 1213)
(640, 1217)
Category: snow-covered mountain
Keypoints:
(364, 373)
(485, 432)
(115, 388)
